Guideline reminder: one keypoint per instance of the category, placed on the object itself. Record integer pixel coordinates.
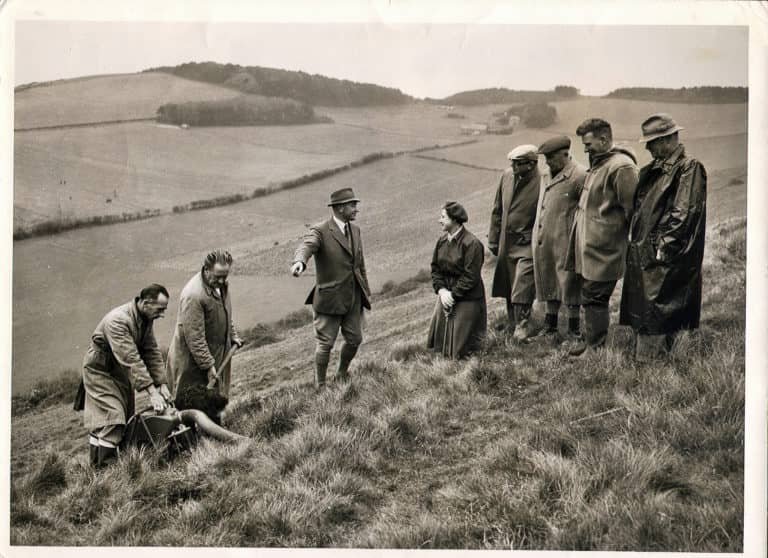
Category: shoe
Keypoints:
(575, 346)
(523, 331)
(546, 333)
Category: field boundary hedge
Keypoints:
(452, 162)
(58, 226)
(84, 124)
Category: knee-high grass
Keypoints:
(517, 447)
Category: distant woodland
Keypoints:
(501, 95)
(247, 110)
(303, 87)
(707, 94)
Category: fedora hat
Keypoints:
(344, 195)
(658, 126)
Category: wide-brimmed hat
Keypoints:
(344, 195)
(658, 126)
(523, 153)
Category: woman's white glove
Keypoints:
(446, 298)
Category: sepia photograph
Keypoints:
(381, 279)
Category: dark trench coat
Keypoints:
(663, 295)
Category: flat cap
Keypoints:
(523, 153)
(555, 144)
(658, 126)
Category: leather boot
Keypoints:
(523, 329)
(549, 331)
(346, 355)
(321, 366)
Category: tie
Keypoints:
(348, 234)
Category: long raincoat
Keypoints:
(664, 295)
(123, 356)
(203, 335)
(511, 231)
(554, 217)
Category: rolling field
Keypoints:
(520, 448)
(63, 284)
(104, 98)
(71, 173)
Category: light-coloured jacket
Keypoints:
(551, 233)
(204, 333)
(123, 356)
(598, 245)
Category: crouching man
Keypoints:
(123, 357)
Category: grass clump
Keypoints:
(515, 448)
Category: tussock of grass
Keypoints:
(518, 447)
(47, 392)
(391, 289)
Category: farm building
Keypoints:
(474, 129)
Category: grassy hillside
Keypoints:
(516, 448)
(104, 98)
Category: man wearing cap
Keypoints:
(554, 216)
(341, 290)
(662, 284)
(510, 235)
(598, 242)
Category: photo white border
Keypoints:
(589, 12)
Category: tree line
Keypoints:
(704, 94)
(248, 110)
(312, 89)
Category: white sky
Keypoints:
(433, 60)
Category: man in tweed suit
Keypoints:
(341, 290)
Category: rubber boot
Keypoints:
(346, 355)
(321, 366)
(596, 321)
(105, 456)
(510, 325)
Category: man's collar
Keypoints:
(137, 313)
(670, 161)
(341, 224)
(565, 171)
(207, 286)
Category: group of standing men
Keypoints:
(563, 237)
(567, 237)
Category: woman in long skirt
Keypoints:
(459, 322)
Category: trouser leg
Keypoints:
(352, 332)
(511, 315)
(104, 443)
(573, 319)
(326, 330)
(550, 317)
